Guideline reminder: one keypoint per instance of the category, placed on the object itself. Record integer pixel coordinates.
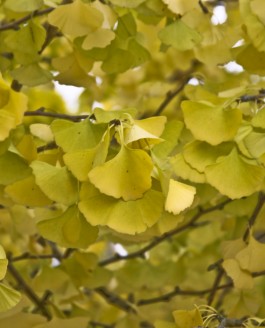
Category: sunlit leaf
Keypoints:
(23, 5)
(69, 229)
(3, 263)
(242, 279)
(127, 175)
(127, 3)
(234, 176)
(179, 197)
(188, 319)
(129, 217)
(211, 124)
(259, 119)
(65, 323)
(179, 36)
(255, 144)
(56, 183)
(9, 297)
(76, 19)
(252, 257)
(103, 116)
(98, 39)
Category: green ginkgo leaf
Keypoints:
(127, 175)
(234, 176)
(31, 75)
(255, 144)
(98, 39)
(33, 197)
(23, 5)
(76, 19)
(188, 319)
(200, 154)
(180, 196)
(252, 257)
(179, 35)
(69, 229)
(14, 167)
(129, 217)
(209, 123)
(77, 136)
(57, 183)
(9, 297)
(258, 120)
(184, 170)
(3, 263)
(106, 116)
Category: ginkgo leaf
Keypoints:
(179, 35)
(164, 324)
(212, 124)
(258, 120)
(118, 61)
(150, 128)
(180, 196)
(76, 19)
(98, 39)
(31, 75)
(23, 5)
(106, 116)
(69, 229)
(14, 167)
(200, 154)
(33, 197)
(231, 247)
(3, 263)
(252, 257)
(180, 7)
(127, 3)
(128, 217)
(255, 144)
(188, 319)
(9, 297)
(65, 323)
(83, 134)
(127, 175)
(182, 169)
(234, 176)
(242, 279)
(56, 183)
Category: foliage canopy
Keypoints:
(144, 207)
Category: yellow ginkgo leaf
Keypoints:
(76, 19)
(180, 196)
(188, 319)
(129, 217)
(9, 297)
(57, 183)
(3, 263)
(69, 229)
(98, 39)
(127, 175)
(242, 279)
(252, 257)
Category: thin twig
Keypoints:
(41, 112)
(217, 281)
(28, 256)
(141, 252)
(252, 219)
(28, 290)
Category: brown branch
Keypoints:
(115, 300)
(96, 324)
(28, 256)
(252, 219)
(39, 303)
(48, 146)
(141, 252)
(217, 281)
(41, 112)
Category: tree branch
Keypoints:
(254, 215)
(41, 112)
(141, 252)
(39, 303)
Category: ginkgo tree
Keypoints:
(145, 207)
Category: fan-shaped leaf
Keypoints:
(8, 297)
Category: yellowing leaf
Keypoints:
(188, 319)
(127, 175)
(252, 257)
(69, 229)
(8, 297)
(164, 324)
(211, 124)
(23, 5)
(180, 196)
(14, 167)
(31, 75)
(106, 116)
(234, 176)
(179, 35)
(150, 128)
(3, 263)
(231, 247)
(127, 3)
(76, 19)
(56, 183)
(180, 7)
(65, 323)
(255, 144)
(83, 134)
(242, 279)
(129, 217)
(33, 197)
(259, 119)
(98, 39)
